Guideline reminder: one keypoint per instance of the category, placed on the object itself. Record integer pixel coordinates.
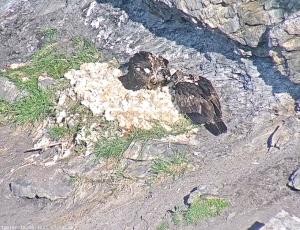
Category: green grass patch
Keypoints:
(111, 147)
(58, 132)
(177, 216)
(50, 34)
(174, 166)
(201, 209)
(54, 59)
(182, 126)
(156, 132)
(5, 111)
(163, 226)
(4, 107)
(32, 108)
(114, 147)
(73, 180)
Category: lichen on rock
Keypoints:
(97, 87)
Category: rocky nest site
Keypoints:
(80, 150)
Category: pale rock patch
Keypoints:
(97, 87)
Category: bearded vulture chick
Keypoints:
(197, 98)
(146, 71)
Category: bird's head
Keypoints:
(160, 76)
(159, 71)
(179, 76)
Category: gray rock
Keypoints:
(284, 41)
(53, 6)
(194, 194)
(140, 151)
(9, 91)
(139, 157)
(127, 29)
(246, 22)
(42, 183)
(45, 82)
(205, 192)
(294, 180)
(243, 21)
(138, 170)
(283, 221)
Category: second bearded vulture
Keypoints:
(197, 98)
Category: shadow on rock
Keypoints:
(172, 24)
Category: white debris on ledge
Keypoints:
(97, 87)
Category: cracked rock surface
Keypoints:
(9, 91)
(250, 23)
(255, 98)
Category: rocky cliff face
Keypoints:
(249, 23)
(249, 165)
(284, 42)
(242, 20)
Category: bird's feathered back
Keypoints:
(197, 98)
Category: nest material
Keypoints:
(97, 87)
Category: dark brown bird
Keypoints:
(146, 71)
(197, 98)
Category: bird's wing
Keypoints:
(209, 93)
(189, 100)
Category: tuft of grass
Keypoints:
(111, 147)
(173, 166)
(35, 107)
(54, 60)
(182, 126)
(4, 107)
(74, 180)
(56, 133)
(163, 226)
(49, 34)
(119, 174)
(5, 111)
(156, 132)
(115, 147)
(177, 216)
(201, 209)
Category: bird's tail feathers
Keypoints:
(216, 128)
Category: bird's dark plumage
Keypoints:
(197, 98)
(146, 71)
